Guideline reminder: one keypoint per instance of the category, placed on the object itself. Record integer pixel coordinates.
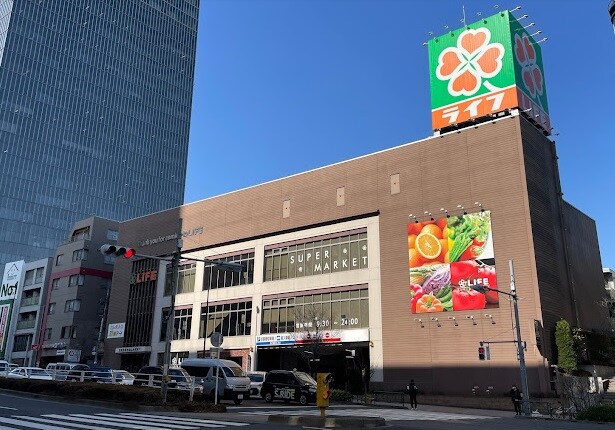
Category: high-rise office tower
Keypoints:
(95, 105)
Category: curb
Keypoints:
(327, 422)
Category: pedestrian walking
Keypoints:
(412, 390)
(516, 396)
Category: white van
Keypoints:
(59, 371)
(233, 384)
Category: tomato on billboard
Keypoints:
(452, 264)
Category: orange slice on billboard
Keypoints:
(428, 245)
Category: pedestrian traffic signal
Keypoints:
(117, 251)
(481, 352)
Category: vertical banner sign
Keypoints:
(8, 292)
(485, 68)
(452, 264)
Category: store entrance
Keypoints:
(134, 362)
(350, 372)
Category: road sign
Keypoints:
(216, 339)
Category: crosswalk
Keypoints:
(387, 414)
(119, 421)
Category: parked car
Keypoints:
(79, 373)
(101, 374)
(256, 382)
(233, 384)
(6, 367)
(152, 376)
(29, 373)
(289, 385)
(123, 377)
(60, 370)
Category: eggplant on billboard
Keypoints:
(451, 261)
(485, 68)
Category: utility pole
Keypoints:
(520, 345)
(170, 318)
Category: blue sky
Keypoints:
(285, 86)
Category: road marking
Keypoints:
(126, 421)
(6, 407)
(387, 414)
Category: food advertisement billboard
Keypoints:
(452, 264)
(484, 68)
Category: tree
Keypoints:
(311, 326)
(566, 358)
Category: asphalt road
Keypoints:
(19, 412)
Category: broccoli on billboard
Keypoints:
(451, 262)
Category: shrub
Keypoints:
(566, 357)
(341, 395)
(603, 413)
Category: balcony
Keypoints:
(25, 324)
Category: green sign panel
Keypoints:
(484, 68)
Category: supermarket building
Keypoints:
(329, 256)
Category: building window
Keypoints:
(181, 324)
(72, 305)
(215, 276)
(81, 234)
(40, 272)
(55, 284)
(22, 342)
(74, 280)
(59, 259)
(51, 309)
(333, 310)
(112, 234)
(69, 332)
(29, 279)
(47, 334)
(229, 319)
(185, 279)
(80, 254)
(314, 257)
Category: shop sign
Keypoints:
(484, 68)
(73, 356)
(60, 352)
(116, 330)
(160, 239)
(289, 339)
(133, 349)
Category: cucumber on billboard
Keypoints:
(451, 263)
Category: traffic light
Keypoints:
(117, 251)
(481, 352)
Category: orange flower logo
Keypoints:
(530, 72)
(473, 60)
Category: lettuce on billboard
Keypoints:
(451, 261)
(485, 68)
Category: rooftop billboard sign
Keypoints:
(485, 68)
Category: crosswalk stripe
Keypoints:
(46, 420)
(186, 420)
(92, 420)
(145, 421)
(7, 420)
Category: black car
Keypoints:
(152, 375)
(79, 372)
(289, 385)
(101, 374)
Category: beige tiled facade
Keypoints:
(507, 165)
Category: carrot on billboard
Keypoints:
(452, 264)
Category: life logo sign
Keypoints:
(482, 69)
